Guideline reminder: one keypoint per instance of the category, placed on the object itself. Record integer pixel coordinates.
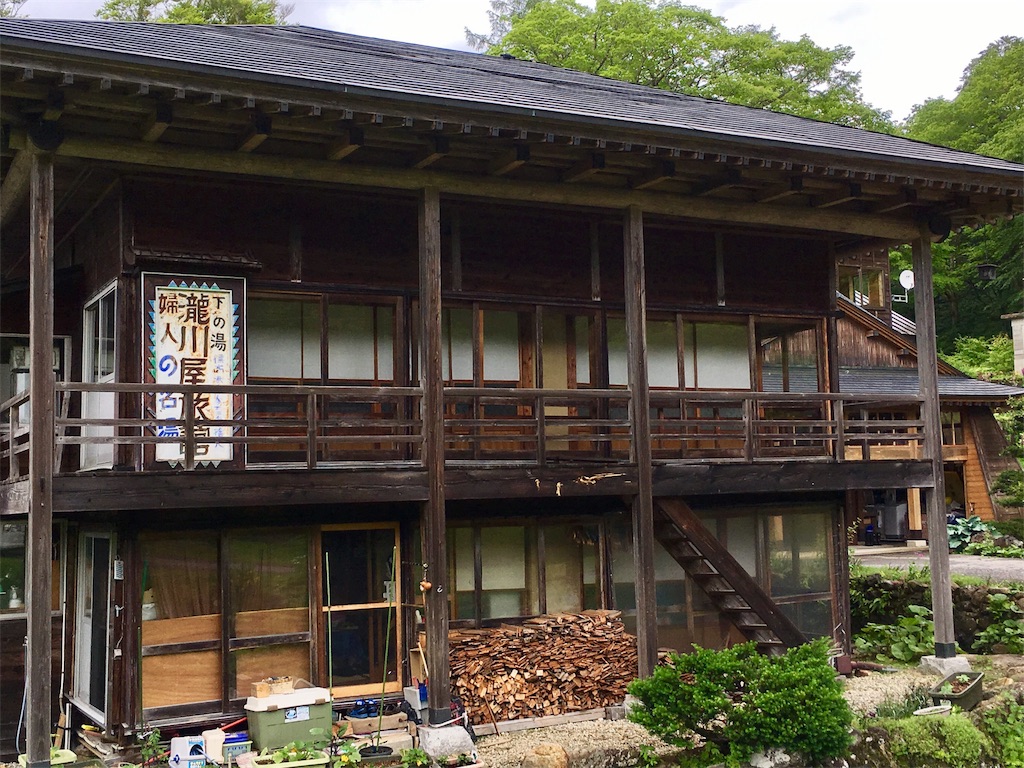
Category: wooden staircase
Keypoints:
(991, 446)
(732, 590)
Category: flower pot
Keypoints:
(266, 761)
(965, 693)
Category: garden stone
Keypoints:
(546, 755)
(445, 740)
(773, 758)
(945, 667)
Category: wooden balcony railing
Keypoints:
(276, 426)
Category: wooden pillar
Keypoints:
(640, 416)
(40, 510)
(934, 497)
(434, 535)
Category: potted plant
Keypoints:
(295, 754)
(963, 689)
(414, 757)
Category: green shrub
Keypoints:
(742, 702)
(938, 742)
(1007, 627)
(961, 530)
(1013, 527)
(909, 639)
(1004, 725)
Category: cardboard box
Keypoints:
(280, 718)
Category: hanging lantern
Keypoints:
(987, 272)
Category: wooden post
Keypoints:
(40, 510)
(434, 542)
(640, 417)
(935, 497)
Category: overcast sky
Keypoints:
(906, 50)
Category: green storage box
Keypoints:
(281, 718)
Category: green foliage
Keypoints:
(905, 705)
(685, 49)
(961, 530)
(293, 752)
(10, 8)
(1013, 527)
(648, 757)
(741, 701)
(907, 640)
(939, 742)
(985, 117)
(1004, 725)
(414, 757)
(1011, 419)
(989, 548)
(1006, 629)
(983, 357)
(150, 746)
(196, 11)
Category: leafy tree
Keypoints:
(10, 8)
(688, 50)
(501, 14)
(983, 358)
(196, 11)
(986, 116)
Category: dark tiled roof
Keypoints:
(890, 381)
(308, 57)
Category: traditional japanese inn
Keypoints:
(316, 348)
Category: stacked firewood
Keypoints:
(549, 665)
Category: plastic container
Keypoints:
(280, 718)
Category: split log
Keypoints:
(549, 665)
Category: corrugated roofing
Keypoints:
(889, 381)
(329, 60)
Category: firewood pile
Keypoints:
(550, 665)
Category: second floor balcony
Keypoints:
(160, 428)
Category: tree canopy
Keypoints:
(196, 11)
(986, 116)
(10, 7)
(680, 48)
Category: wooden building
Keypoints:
(298, 324)
(875, 357)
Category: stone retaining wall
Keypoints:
(876, 599)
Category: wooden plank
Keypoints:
(191, 490)
(640, 448)
(935, 496)
(15, 188)
(39, 576)
(780, 476)
(434, 533)
(300, 169)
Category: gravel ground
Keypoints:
(604, 744)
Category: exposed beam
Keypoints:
(257, 132)
(299, 169)
(519, 155)
(14, 191)
(849, 192)
(906, 197)
(588, 166)
(54, 105)
(778, 191)
(352, 139)
(158, 122)
(437, 147)
(729, 177)
(662, 171)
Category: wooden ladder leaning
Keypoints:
(732, 590)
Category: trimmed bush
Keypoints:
(741, 702)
